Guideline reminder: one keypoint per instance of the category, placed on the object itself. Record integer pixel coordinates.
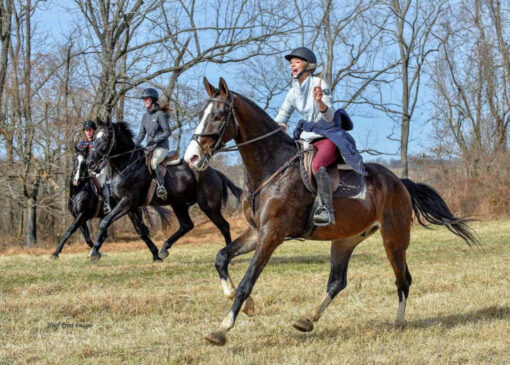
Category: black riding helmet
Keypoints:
(306, 55)
(89, 124)
(150, 93)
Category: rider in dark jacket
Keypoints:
(89, 128)
(155, 126)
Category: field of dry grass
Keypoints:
(127, 309)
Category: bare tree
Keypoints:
(413, 25)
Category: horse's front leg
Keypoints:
(78, 221)
(270, 236)
(245, 243)
(122, 208)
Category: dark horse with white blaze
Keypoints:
(131, 181)
(84, 204)
(277, 204)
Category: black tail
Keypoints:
(428, 205)
(226, 182)
(164, 214)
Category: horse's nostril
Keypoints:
(194, 158)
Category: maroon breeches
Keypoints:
(327, 153)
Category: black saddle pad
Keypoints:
(351, 184)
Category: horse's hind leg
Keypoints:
(220, 222)
(341, 251)
(86, 234)
(396, 242)
(185, 225)
(143, 232)
(245, 243)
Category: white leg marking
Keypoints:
(320, 308)
(228, 322)
(228, 288)
(401, 311)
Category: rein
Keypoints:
(253, 194)
(219, 146)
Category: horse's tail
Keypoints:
(164, 214)
(227, 183)
(428, 205)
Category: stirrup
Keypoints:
(323, 217)
(106, 208)
(161, 192)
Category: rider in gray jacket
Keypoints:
(155, 126)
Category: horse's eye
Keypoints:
(217, 118)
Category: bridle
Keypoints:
(106, 156)
(219, 145)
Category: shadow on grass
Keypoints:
(372, 329)
(491, 313)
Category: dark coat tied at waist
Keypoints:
(336, 132)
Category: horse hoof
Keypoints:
(95, 258)
(157, 259)
(53, 257)
(303, 325)
(249, 307)
(216, 338)
(163, 254)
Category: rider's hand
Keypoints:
(283, 126)
(317, 93)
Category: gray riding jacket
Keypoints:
(155, 126)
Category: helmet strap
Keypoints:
(298, 76)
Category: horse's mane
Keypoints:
(124, 130)
(264, 116)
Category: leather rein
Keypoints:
(219, 146)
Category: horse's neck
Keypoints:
(263, 157)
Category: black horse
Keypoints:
(84, 204)
(131, 182)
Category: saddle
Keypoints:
(171, 159)
(345, 182)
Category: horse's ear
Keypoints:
(76, 150)
(211, 90)
(223, 88)
(99, 122)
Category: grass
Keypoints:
(129, 310)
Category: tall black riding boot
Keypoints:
(161, 191)
(106, 198)
(324, 214)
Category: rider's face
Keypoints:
(147, 102)
(89, 133)
(297, 65)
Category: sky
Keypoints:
(370, 127)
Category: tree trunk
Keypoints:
(31, 230)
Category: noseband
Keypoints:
(219, 146)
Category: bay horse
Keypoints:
(84, 204)
(276, 205)
(131, 182)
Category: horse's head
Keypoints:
(79, 167)
(216, 127)
(103, 146)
